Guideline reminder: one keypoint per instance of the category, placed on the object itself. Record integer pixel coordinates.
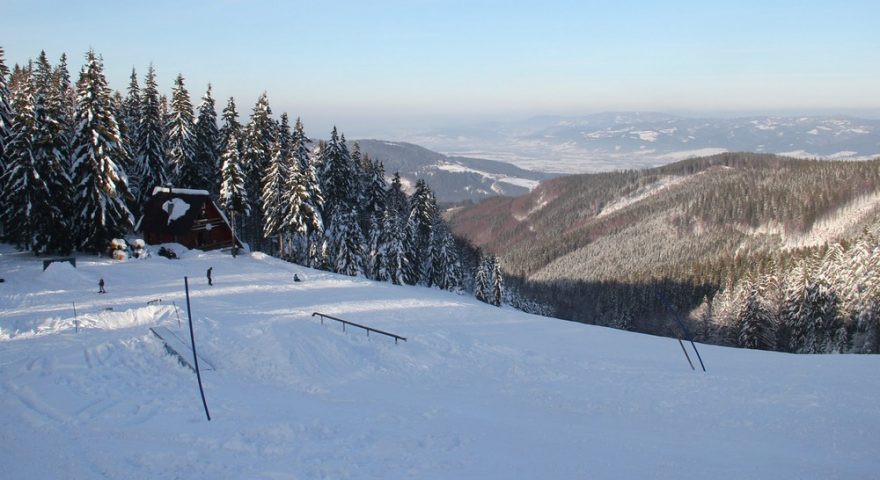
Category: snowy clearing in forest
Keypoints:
(476, 392)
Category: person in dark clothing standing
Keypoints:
(101, 286)
(210, 282)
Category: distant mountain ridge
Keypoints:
(617, 140)
(611, 248)
(453, 179)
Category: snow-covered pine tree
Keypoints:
(358, 171)
(230, 126)
(819, 315)
(67, 101)
(346, 240)
(101, 189)
(23, 190)
(117, 106)
(301, 216)
(868, 295)
(395, 198)
(131, 114)
(302, 200)
(275, 184)
(755, 320)
(482, 281)
(151, 163)
(181, 139)
(307, 168)
(454, 271)
(129, 123)
(337, 178)
(496, 293)
(394, 264)
(207, 157)
(5, 113)
(50, 150)
(374, 189)
(445, 263)
(421, 218)
(792, 331)
(233, 194)
(256, 152)
(373, 256)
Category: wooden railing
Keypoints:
(368, 329)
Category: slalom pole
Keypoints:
(686, 354)
(691, 339)
(195, 357)
(75, 319)
(684, 329)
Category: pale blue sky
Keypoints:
(364, 65)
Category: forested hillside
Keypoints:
(636, 249)
(79, 161)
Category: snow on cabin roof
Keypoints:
(181, 191)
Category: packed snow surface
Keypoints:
(476, 392)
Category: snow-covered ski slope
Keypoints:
(476, 392)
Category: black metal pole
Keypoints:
(684, 329)
(686, 354)
(195, 357)
(690, 338)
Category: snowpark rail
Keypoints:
(368, 329)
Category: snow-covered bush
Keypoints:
(119, 248)
(139, 248)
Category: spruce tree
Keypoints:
(275, 184)
(755, 320)
(100, 184)
(151, 164)
(67, 102)
(207, 141)
(5, 112)
(256, 152)
(23, 190)
(395, 197)
(233, 194)
(346, 242)
(337, 177)
(394, 264)
(231, 126)
(496, 292)
(309, 174)
(422, 211)
(180, 128)
(131, 114)
(482, 281)
(301, 196)
(50, 151)
(373, 257)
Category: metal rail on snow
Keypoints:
(368, 329)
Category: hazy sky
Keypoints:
(366, 65)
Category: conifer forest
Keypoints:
(79, 160)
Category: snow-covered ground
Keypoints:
(475, 392)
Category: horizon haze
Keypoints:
(373, 69)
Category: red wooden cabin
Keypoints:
(184, 216)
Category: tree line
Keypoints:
(79, 162)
